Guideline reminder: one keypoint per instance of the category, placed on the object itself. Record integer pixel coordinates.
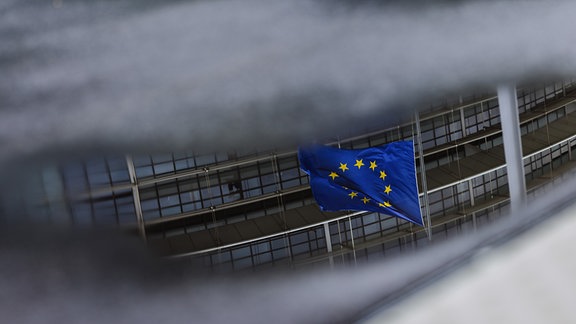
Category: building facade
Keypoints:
(237, 210)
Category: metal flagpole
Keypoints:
(350, 222)
(423, 176)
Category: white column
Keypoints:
(510, 122)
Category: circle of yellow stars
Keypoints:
(359, 164)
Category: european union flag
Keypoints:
(380, 179)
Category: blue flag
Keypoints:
(380, 179)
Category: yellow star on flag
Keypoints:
(359, 164)
(343, 166)
(373, 165)
(333, 175)
(387, 190)
(383, 175)
(365, 200)
(385, 204)
(353, 194)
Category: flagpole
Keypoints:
(349, 220)
(423, 176)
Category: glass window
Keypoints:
(202, 160)
(149, 204)
(162, 168)
(241, 252)
(171, 200)
(144, 171)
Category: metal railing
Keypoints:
(566, 141)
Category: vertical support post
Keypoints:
(327, 237)
(136, 196)
(510, 122)
(471, 189)
(423, 176)
(482, 115)
(340, 238)
(472, 201)
(328, 243)
(352, 239)
(463, 122)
